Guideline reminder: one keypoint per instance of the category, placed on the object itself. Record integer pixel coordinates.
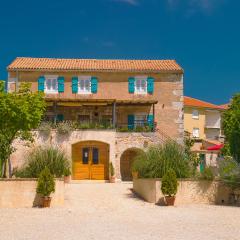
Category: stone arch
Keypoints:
(90, 160)
(126, 161)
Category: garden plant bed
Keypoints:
(21, 192)
(189, 191)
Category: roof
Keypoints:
(28, 63)
(193, 102)
(224, 106)
(108, 101)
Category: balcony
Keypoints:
(69, 126)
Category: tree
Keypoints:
(20, 112)
(190, 155)
(231, 127)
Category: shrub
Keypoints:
(160, 158)
(64, 127)
(41, 157)
(45, 128)
(67, 172)
(111, 169)
(169, 183)
(207, 174)
(46, 183)
(229, 171)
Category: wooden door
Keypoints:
(90, 160)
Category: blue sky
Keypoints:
(202, 35)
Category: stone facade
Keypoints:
(118, 142)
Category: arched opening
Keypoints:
(126, 162)
(90, 160)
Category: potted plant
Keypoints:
(169, 186)
(67, 174)
(112, 173)
(45, 186)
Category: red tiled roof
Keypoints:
(28, 63)
(193, 102)
(224, 106)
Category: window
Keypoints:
(195, 114)
(141, 85)
(140, 120)
(195, 132)
(84, 84)
(51, 84)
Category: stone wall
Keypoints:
(118, 143)
(21, 193)
(189, 191)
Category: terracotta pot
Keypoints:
(112, 179)
(135, 175)
(46, 201)
(170, 200)
(67, 179)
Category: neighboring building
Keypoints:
(118, 95)
(202, 120)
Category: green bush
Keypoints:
(158, 159)
(46, 183)
(45, 128)
(169, 183)
(207, 174)
(41, 157)
(111, 169)
(64, 127)
(229, 171)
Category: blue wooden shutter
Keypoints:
(41, 81)
(131, 85)
(150, 85)
(150, 121)
(131, 122)
(74, 84)
(94, 85)
(60, 117)
(60, 84)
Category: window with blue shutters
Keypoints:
(60, 84)
(41, 83)
(74, 84)
(131, 85)
(94, 85)
(131, 122)
(150, 85)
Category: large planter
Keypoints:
(67, 179)
(112, 179)
(170, 200)
(46, 201)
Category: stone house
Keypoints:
(121, 106)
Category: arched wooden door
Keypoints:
(90, 160)
(126, 163)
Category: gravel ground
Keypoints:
(110, 211)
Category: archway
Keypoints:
(126, 162)
(90, 160)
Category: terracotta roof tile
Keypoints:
(193, 102)
(27, 63)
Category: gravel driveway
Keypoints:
(110, 211)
